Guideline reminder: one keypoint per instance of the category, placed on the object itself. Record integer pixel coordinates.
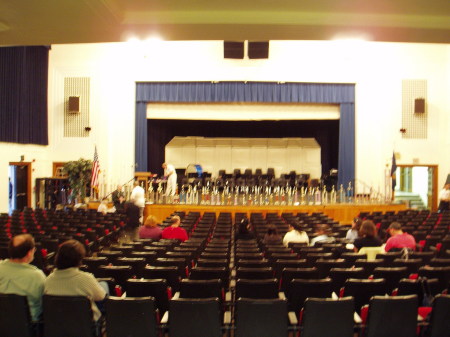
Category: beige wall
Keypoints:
(377, 69)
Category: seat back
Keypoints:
(300, 289)
(254, 273)
(412, 265)
(201, 288)
(288, 274)
(440, 273)
(439, 321)
(68, 316)
(249, 288)
(156, 288)
(363, 290)
(392, 316)
(170, 274)
(368, 265)
(15, 319)
(204, 273)
(195, 318)
(392, 275)
(130, 317)
(261, 317)
(340, 275)
(119, 273)
(328, 317)
(136, 263)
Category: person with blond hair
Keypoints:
(150, 229)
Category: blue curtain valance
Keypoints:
(245, 92)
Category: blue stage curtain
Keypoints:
(23, 95)
(141, 137)
(346, 159)
(333, 93)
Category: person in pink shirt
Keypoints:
(399, 239)
(175, 231)
(150, 229)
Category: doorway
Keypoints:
(417, 184)
(19, 186)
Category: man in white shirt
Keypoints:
(171, 175)
(138, 198)
(444, 198)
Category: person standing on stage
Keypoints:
(171, 175)
(444, 198)
(138, 198)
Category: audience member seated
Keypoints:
(103, 207)
(295, 234)
(322, 235)
(175, 231)
(399, 239)
(68, 280)
(18, 277)
(272, 236)
(150, 229)
(244, 231)
(353, 233)
(367, 236)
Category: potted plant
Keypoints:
(79, 174)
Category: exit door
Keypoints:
(20, 185)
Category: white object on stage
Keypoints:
(302, 155)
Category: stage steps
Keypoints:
(414, 199)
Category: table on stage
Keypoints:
(344, 213)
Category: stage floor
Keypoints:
(344, 213)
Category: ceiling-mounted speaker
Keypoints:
(233, 50)
(258, 50)
(419, 105)
(74, 104)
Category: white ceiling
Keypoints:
(43, 22)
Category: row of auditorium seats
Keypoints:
(386, 317)
(236, 273)
(249, 269)
(430, 229)
(50, 228)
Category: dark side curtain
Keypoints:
(23, 95)
(343, 94)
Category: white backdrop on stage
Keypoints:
(302, 155)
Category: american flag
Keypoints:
(95, 170)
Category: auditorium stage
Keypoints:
(344, 213)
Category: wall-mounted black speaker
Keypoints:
(419, 105)
(258, 50)
(74, 104)
(233, 50)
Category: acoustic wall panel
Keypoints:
(415, 124)
(75, 122)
